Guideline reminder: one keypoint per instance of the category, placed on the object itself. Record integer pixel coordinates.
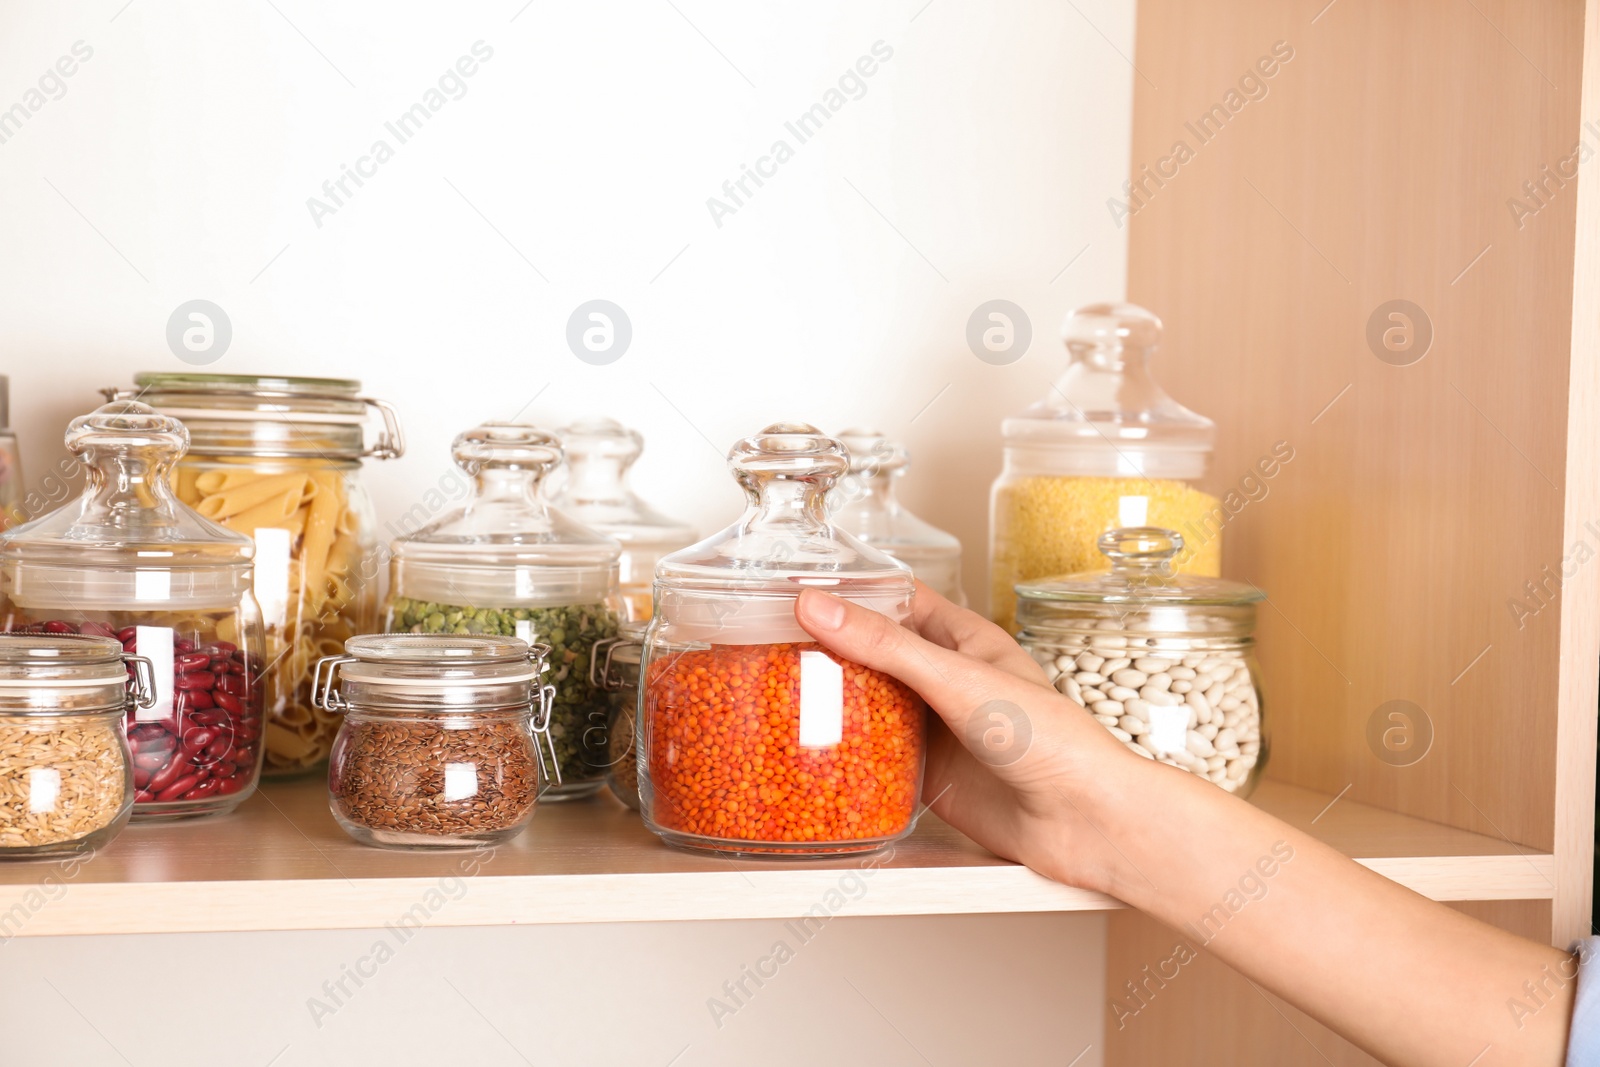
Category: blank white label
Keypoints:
(821, 701)
(44, 789)
(155, 645)
(1169, 729)
(460, 781)
(1133, 511)
(272, 576)
(525, 631)
(152, 585)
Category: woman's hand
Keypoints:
(1013, 764)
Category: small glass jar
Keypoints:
(127, 560)
(596, 493)
(440, 746)
(507, 563)
(616, 666)
(1164, 660)
(279, 460)
(66, 779)
(1105, 448)
(755, 739)
(865, 504)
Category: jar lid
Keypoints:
(272, 415)
(127, 541)
(865, 504)
(599, 453)
(1141, 575)
(506, 546)
(428, 663)
(38, 671)
(1106, 416)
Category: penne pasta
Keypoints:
(288, 489)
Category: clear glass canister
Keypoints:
(865, 504)
(440, 745)
(595, 491)
(128, 561)
(1106, 448)
(616, 666)
(66, 780)
(507, 563)
(1165, 661)
(279, 460)
(756, 740)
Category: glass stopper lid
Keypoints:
(784, 539)
(127, 539)
(1141, 574)
(599, 453)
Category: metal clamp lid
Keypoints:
(142, 680)
(390, 444)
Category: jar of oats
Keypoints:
(1165, 661)
(440, 745)
(66, 778)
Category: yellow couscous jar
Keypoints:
(1106, 448)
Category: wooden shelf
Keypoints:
(280, 863)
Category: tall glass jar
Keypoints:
(866, 505)
(595, 491)
(128, 561)
(1105, 448)
(753, 738)
(66, 781)
(279, 460)
(440, 746)
(507, 563)
(1164, 660)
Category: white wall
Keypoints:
(178, 162)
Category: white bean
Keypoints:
(1133, 725)
(1088, 661)
(1112, 708)
(1089, 678)
(1120, 734)
(1159, 697)
(1129, 677)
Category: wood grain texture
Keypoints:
(1421, 499)
(281, 863)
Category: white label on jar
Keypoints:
(1133, 511)
(154, 643)
(272, 576)
(460, 781)
(1169, 729)
(152, 585)
(44, 789)
(525, 631)
(821, 700)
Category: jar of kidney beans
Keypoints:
(128, 561)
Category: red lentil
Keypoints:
(726, 764)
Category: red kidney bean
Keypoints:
(231, 683)
(151, 762)
(241, 756)
(198, 699)
(182, 647)
(127, 633)
(209, 718)
(56, 626)
(193, 661)
(98, 629)
(246, 733)
(234, 784)
(143, 796)
(159, 780)
(228, 702)
(219, 748)
(195, 680)
(204, 789)
(178, 787)
(141, 777)
(224, 769)
(194, 740)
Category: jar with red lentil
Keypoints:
(507, 563)
(867, 504)
(754, 739)
(441, 741)
(594, 490)
(129, 561)
(1105, 448)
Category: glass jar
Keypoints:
(440, 742)
(128, 561)
(755, 739)
(279, 460)
(1164, 660)
(616, 667)
(865, 505)
(11, 511)
(507, 563)
(1106, 448)
(596, 493)
(66, 780)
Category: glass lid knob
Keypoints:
(1111, 328)
(127, 424)
(506, 446)
(602, 439)
(872, 452)
(1141, 548)
(788, 451)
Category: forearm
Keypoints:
(1405, 978)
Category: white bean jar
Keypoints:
(1165, 661)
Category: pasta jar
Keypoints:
(66, 781)
(617, 672)
(1164, 660)
(440, 745)
(507, 563)
(1105, 448)
(128, 561)
(754, 739)
(596, 492)
(865, 504)
(279, 460)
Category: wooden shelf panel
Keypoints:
(280, 863)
